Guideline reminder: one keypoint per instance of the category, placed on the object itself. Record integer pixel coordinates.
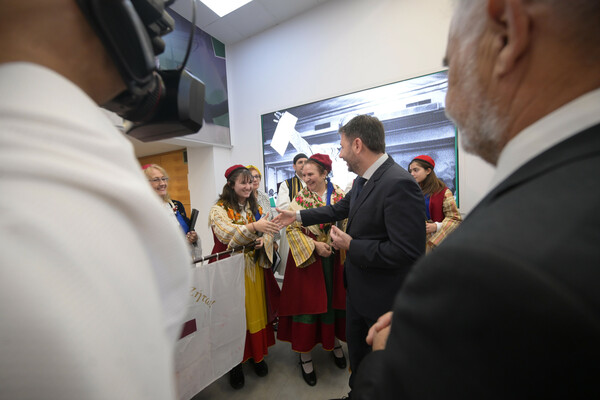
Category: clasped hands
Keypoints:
(265, 226)
(322, 249)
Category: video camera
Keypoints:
(160, 103)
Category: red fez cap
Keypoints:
(425, 158)
(231, 169)
(323, 160)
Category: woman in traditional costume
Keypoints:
(443, 216)
(313, 298)
(237, 220)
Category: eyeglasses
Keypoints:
(256, 177)
(157, 180)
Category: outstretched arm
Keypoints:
(285, 217)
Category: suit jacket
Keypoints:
(508, 306)
(386, 222)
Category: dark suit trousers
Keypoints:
(357, 328)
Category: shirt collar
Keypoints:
(371, 170)
(559, 125)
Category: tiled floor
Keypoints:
(284, 380)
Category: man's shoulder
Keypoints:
(286, 182)
(533, 217)
(390, 169)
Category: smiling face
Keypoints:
(418, 172)
(242, 188)
(314, 178)
(159, 181)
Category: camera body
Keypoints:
(160, 103)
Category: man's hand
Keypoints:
(339, 239)
(285, 217)
(379, 332)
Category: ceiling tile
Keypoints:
(204, 15)
(250, 19)
(224, 31)
(282, 10)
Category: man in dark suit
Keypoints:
(385, 233)
(509, 306)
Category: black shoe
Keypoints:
(236, 377)
(261, 368)
(340, 362)
(310, 378)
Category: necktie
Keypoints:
(360, 182)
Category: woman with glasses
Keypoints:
(261, 197)
(159, 180)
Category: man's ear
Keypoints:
(512, 29)
(357, 145)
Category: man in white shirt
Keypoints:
(508, 306)
(94, 275)
(290, 187)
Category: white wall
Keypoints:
(339, 47)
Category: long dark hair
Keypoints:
(431, 184)
(228, 196)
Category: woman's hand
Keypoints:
(266, 226)
(192, 237)
(430, 227)
(322, 249)
(259, 243)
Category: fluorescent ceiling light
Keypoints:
(224, 7)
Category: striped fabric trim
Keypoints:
(451, 221)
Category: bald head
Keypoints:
(55, 34)
(511, 62)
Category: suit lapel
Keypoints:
(368, 188)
